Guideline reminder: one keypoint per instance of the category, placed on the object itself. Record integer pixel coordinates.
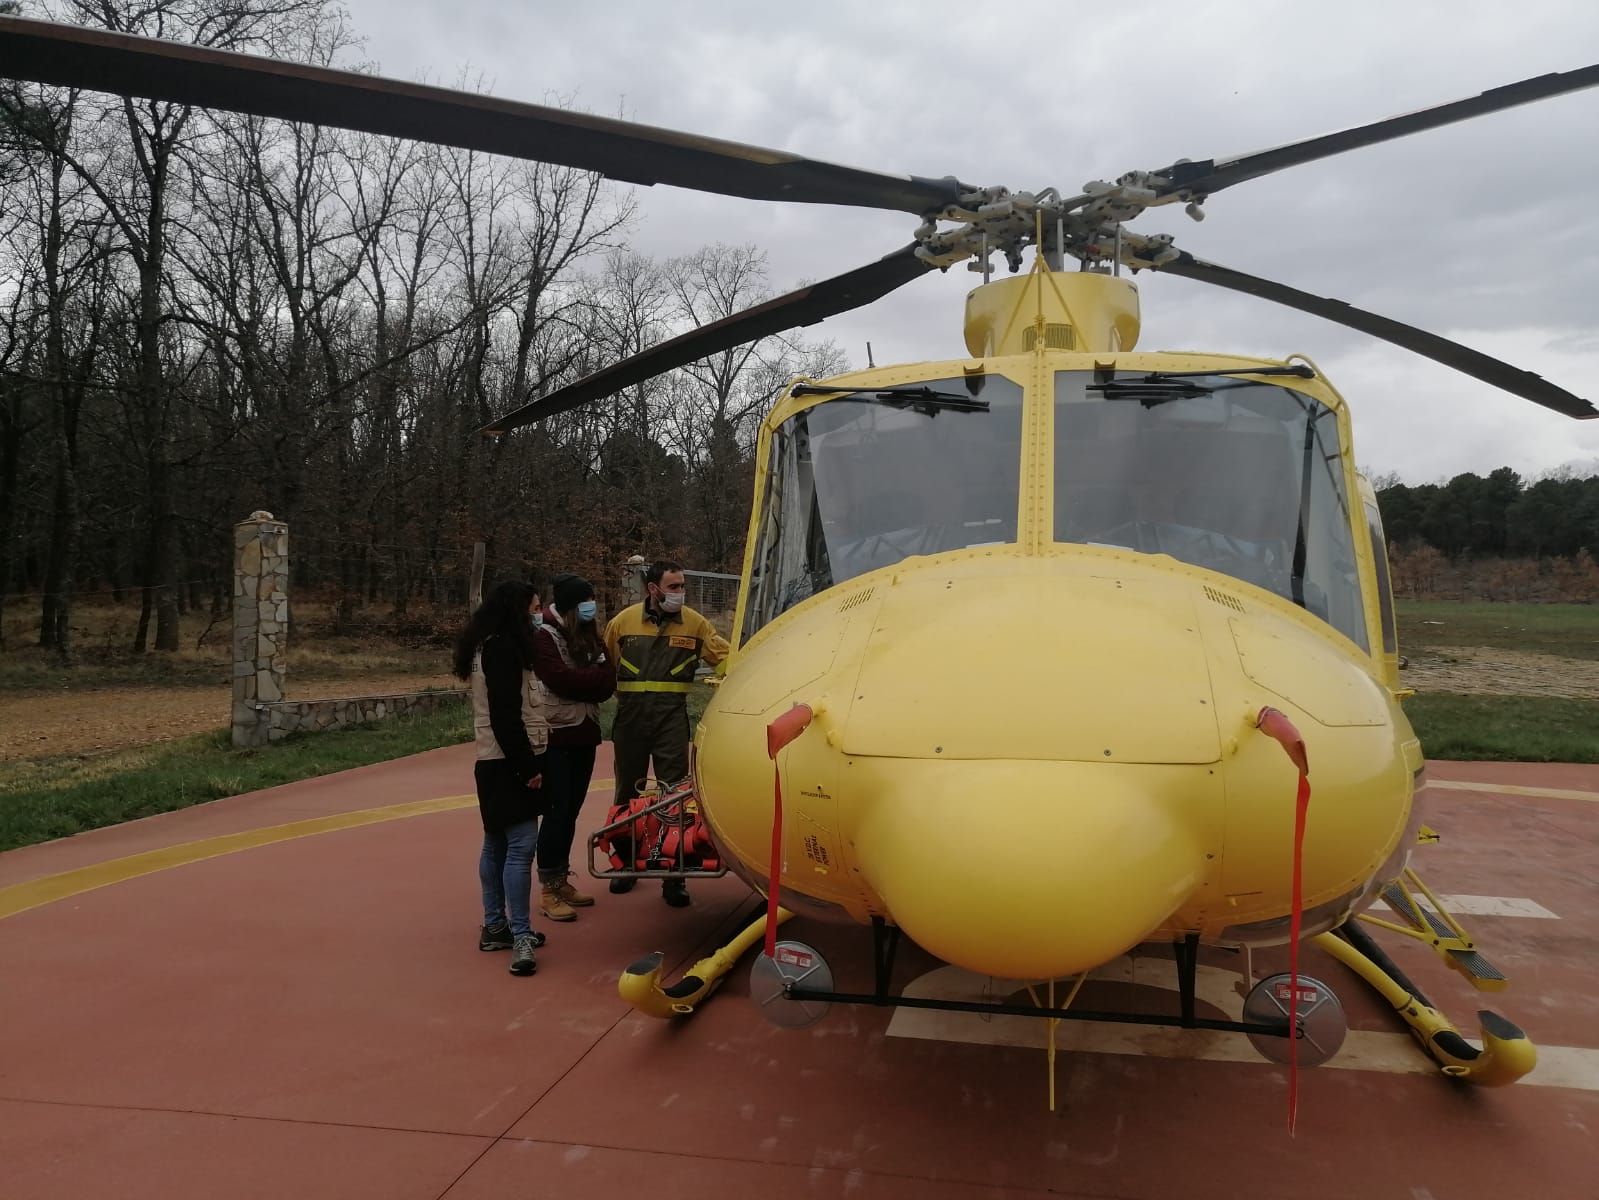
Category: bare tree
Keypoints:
(64, 286)
(133, 182)
(721, 400)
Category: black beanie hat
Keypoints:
(568, 591)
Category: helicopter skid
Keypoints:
(885, 941)
(641, 986)
(1506, 1054)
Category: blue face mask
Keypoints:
(586, 610)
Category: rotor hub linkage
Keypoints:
(1087, 226)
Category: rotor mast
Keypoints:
(1085, 311)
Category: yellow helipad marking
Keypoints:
(20, 897)
(1507, 789)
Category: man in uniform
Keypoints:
(656, 645)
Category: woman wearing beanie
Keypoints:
(574, 677)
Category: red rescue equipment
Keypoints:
(659, 831)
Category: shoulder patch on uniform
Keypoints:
(684, 643)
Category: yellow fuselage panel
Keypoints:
(1029, 870)
(1009, 657)
(951, 739)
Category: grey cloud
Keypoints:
(1476, 229)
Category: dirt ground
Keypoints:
(47, 724)
(1486, 671)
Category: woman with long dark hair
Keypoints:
(495, 653)
(574, 677)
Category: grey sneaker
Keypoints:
(522, 961)
(494, 937)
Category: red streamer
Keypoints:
(1301, 809)
(1276, 725)
(776, 868)
(779, 733)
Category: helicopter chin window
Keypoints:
(864, 480)
(1238, 477)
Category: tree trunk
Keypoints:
(10, 469)
(55, 615)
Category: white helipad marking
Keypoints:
(1363, 1050)
(1507, 789)
(1485, 906)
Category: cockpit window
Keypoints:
(1232, 475)
(868, 478)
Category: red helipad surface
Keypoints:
(310, 1016)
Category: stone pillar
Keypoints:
(260, 624)
(633, 579)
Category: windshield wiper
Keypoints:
(1150, 389)
(1297, 370)
(1162, 387)
(922, 399)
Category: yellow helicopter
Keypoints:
(1103, 633)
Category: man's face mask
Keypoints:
(671, 601)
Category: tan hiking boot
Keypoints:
(554, 905)
(571, 895)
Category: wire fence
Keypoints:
(714, 594)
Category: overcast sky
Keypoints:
(1485, 232)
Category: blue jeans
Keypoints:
(505, 869)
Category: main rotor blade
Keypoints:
(1212, 175)
(805, 306)
(96, 59)
(1451, 354)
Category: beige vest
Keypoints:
(560, 712)
(533, 718)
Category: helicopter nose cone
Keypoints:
(1094, 857)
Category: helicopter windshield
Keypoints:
(872, 477)
(1231, 475)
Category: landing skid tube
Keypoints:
(1506, 1054)
(641, 985)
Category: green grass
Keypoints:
(41, 799)
(1566, 630)
(51, 798)
(1506, 728)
